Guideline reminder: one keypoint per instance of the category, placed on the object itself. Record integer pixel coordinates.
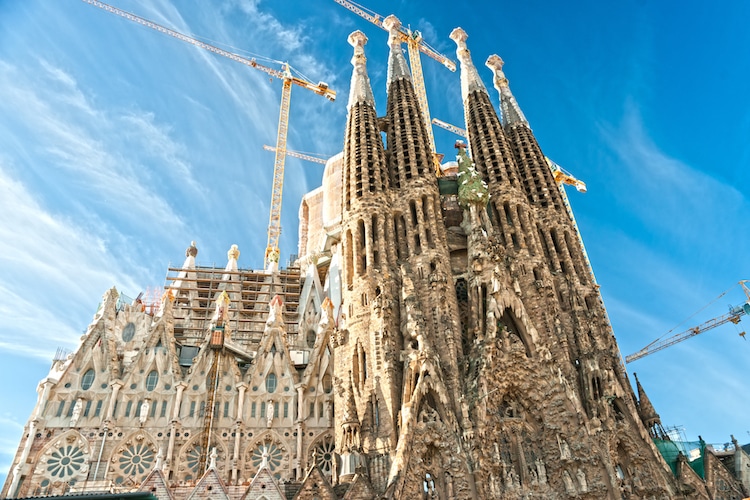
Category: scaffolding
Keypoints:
(250, 292)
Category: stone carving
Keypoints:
(582, 485)
(76, 412)
(541, 470)
(569, 486)
(269, 413)
(144, 411)
(564, 448)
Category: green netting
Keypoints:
(694, 452)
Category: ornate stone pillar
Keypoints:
(116, 385)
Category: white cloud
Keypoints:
(50, 268)
(666, 192)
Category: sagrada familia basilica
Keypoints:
(439, 337)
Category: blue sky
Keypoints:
(120, 145)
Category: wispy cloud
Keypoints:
(76, 143)
(664, 191)
(45, 256)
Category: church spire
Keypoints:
(361, 91)
(470, 81)
(397, 67)
(647, 412)
(511, 112)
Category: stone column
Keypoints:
(116, 385)
(178, 400)
(241, 387)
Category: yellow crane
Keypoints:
(415, 44)
(301, 156)
(733, 316)
(285, 75)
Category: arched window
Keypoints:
(88, 379)
(151, 379)
(327, 383)
(311, 336)
(271, 382)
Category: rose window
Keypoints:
(136, 460)
(193, 458)
(274, 453)
(66, 461)
(325, 455)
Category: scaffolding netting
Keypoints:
(693, 451)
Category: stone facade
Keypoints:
(438, 340)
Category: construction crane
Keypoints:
(733, 316)
(285, 75)
(297, 154)
(415, 44)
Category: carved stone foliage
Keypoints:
(435, 469)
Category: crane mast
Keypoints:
(274, 224)
(415, 45)
(733, 316)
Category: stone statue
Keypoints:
(76, 412)
(159, 460)
(541, 471)
(214, 454)
(569, 486)
(144, 412)
(269, 413)
(329, 411)
(564, 448)
(582, 481)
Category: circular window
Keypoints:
(66, 461)
(325, 455)
(270, 450)
(128, 332)
(136, 460)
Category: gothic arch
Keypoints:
(62, 463)
(324, 445)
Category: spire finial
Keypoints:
(360, 87)
(470, 81)
(397, 67)
(511, 111)
(645, 408)
(233, 253)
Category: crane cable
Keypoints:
(692, 315)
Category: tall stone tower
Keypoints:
(399, 355)
(476, 351)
